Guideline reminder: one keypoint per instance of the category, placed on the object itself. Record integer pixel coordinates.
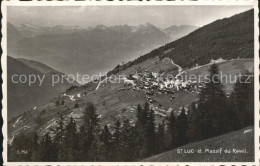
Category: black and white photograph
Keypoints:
(130, 83)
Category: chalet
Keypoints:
(151, 100)
(129, 82)
(155, 75)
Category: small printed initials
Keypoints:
(21, 152)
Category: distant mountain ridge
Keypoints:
(115, 44)
(38, 66)
(13, 34)
(29, 30)
(176, 32)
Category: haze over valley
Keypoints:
(94, 50)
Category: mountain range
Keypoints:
(56, 46)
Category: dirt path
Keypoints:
(101, 83)
(180, 69)
(14, 125)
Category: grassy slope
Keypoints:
(237, 140)
(229, 68)
(151, 64)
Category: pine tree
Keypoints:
(70, 144)
(139, 130)
(92, 126)
(106, 142)
(181, 128)
(46, 150)
(160, 137)
(213, 106)
(151, 132)
(127, 142)
(171, 131)
(241, 102)
(35, 148)
(83, 144)
(116, 139)
(58, 140)
(194, 125)
(145, 131)
(145, 113)
(249, 110)
(139, 112)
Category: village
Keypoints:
(155, 83)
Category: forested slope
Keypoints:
(228, 38)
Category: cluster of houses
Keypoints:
(153, 82)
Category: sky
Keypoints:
(90, 16)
